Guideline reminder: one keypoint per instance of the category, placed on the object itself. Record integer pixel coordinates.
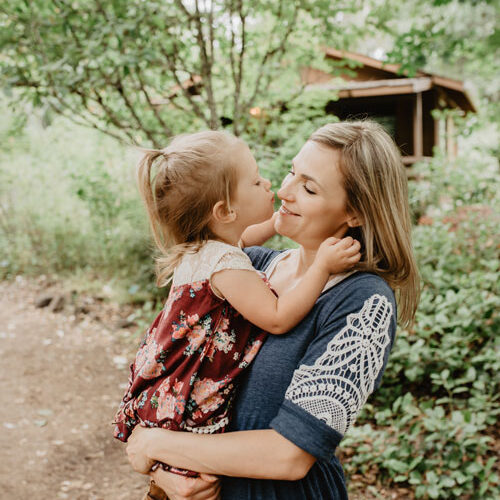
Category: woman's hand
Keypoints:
(137, 446)
(205, 487)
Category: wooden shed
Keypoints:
(403, 105)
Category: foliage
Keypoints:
(456, 38)
(430, 424)
(143, 71)
(70, 208)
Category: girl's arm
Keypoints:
(258, 234)
(267, 454)
(250, 296)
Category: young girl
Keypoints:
(205, 199)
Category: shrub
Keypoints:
(431, 424)
(68, 204)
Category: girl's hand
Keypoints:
(337, 256)
(137, 446)
(205, 487)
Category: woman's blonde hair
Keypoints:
(180, 185)
(377, 193)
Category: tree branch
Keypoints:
(238, 78)
(171, 65)
(153, 108)
(121, 90)
(206, 70)
(86, 122)
(277, 50)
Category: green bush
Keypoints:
(431, 424)
(69, 206)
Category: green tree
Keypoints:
(457, 38)
(142, 71)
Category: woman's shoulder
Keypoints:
(361, 282)
(261, 257)
(358, 291)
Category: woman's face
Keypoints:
(313, 198)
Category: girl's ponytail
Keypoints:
(151, 184)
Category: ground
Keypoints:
(61, 378)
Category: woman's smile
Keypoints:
(285, 211)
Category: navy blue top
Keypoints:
(310, 384)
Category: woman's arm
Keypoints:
(250, 296)
(259, 454)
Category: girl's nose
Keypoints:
(267, 183)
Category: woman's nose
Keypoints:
(285, 192)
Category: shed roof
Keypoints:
(376, 78)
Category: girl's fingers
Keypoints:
(354, 250)
(349, 248)
(354, 259)
(183, 488)
(210, 478)
(331, 241)
(345, 242)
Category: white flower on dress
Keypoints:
(206, 394)
(170, 401)
(146, 364)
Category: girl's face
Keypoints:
(313, 199)
(253, 199)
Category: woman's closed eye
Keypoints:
(306, 188)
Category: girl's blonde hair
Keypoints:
(377, 193)
(180, 185)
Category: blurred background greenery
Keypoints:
(85, 82)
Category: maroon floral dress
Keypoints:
(183, 376)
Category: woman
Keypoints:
(306, 388)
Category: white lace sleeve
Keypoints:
(234, 259)
(213, 256)
(339, 382)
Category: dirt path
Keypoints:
(61, 376)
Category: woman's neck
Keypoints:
(304, 259)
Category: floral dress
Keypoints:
(183, 376)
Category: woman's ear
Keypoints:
(354, 221)
(222, 213)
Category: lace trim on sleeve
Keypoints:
(213, 256)
(336, 387)
(234, 259)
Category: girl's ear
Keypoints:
(354, 221)
(222, 213)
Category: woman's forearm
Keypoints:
(260, 454)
